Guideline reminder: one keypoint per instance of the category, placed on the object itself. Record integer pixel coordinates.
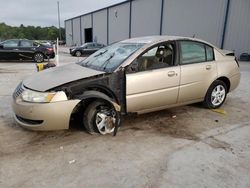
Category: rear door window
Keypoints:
(192, 52)
(26, 43)
(195, 52)
(90, 46)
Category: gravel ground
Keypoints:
(187, 146)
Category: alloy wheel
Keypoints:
(39, 57)
(218, 95)
(105, 121)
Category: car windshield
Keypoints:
(109, 58)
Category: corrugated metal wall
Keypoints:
(146, 16)
(202, 18)
(76, 32)
(100, 26)
(86, 22)
(119, 23)
(68, 32)
(238, 27)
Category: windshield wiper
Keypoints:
(101, 53)
(104, 65)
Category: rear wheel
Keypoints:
(216, 95)
(100, 117)
(38, 57)
(78, 53)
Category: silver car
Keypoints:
(137, 75)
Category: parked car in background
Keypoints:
(23, 49)
(137, 75)
(86, 49)
(245, 57)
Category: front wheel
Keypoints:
(100, 117)
(216, 95)
(38, 57)
(78, 53)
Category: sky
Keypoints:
(44, 12)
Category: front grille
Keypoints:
(18, 91)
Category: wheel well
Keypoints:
(226, 81)
(75, 119)
(105, 91)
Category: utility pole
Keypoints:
(59, 22)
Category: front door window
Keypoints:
(160, 56)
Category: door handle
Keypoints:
(171, 73)
(16, 49)
(208, 67)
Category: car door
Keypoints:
(198, 70)
(26, 49)
(89, 49)
(152, 80)
(9, 50)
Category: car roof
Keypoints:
(159, 38)
(153, 39)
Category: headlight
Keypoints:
(43, 97)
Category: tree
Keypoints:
(30, 32)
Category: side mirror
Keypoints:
(133, 67)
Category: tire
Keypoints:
(78, 53)
(100, 117)
(216, 95)
(38, 57)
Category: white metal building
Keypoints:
(225, 23)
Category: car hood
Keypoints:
(54, 77)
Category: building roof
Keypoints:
(87, 13)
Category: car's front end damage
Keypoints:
(50, 105)
(41, 110)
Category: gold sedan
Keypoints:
(138, 75)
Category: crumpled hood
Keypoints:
(54, 77)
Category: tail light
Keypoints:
(50, 50)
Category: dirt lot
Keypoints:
(197, 148)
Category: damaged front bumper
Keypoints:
(43, 116)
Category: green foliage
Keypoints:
(30, 32)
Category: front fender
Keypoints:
(99, 95)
